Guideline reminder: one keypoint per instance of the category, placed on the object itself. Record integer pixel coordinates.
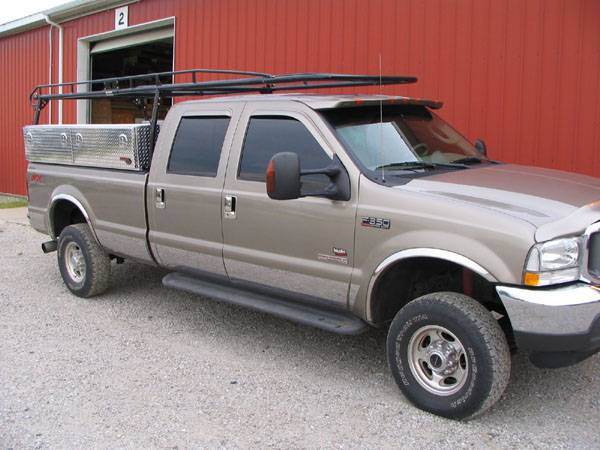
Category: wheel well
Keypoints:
(413, 277)
(65, 213)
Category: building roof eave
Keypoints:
(60, 13)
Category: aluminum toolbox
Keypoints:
(125, 147)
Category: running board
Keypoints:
(327, 319)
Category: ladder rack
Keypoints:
(164, 85)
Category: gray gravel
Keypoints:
(146, 367)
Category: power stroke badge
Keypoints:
(375, 222)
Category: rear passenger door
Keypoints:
(184, 193)
(303, 246)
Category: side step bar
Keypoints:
(328, 319)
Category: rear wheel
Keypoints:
(448, 355)
(84, 266)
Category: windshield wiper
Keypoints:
(407, 165)
(468, 160)
(410, 165)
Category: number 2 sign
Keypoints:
(121, 17)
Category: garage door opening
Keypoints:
(121, 58)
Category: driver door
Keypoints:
(303, 246)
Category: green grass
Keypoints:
(16, 203)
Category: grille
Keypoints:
(594, 255)
(124, 147)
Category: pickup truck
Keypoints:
(340, 212)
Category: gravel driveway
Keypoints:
(146, 367)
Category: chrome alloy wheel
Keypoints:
(75, 262)
(438, 360)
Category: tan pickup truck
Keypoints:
(335, 211)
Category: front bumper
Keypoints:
(558, 326)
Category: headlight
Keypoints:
(552, 262)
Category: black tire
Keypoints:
(95, 277)
(485, 360)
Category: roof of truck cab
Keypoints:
(328, 101)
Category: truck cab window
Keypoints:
(268, 135)
(197, 146)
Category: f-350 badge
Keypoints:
(376, 222)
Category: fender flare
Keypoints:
(55, 199)
(436, 253)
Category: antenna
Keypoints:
(381, 122)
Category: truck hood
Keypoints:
(538, 196)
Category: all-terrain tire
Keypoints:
(92, 275)
(486, 361)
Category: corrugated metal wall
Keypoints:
(23, 64)
(523, 74)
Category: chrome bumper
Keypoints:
(557, 319)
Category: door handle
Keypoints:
(229, 203)
(160, 198)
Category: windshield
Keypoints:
(408, 137)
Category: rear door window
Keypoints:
(197, 145)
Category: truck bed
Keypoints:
(113, 199)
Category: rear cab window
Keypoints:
(197, 145)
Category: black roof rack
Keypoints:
(139, 86)
(164, 85)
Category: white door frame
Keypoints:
(83, 55)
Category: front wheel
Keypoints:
(448, 355)
(84, 266)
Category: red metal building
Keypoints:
(522, 74)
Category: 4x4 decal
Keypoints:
(340, 255)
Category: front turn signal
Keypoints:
(531, 279)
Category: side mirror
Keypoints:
(283, 176)
(481, 147)
(283, 179)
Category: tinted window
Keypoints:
(269, 135)
(197, 145)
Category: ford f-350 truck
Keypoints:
(335, 211)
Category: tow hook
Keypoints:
(49, 247)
